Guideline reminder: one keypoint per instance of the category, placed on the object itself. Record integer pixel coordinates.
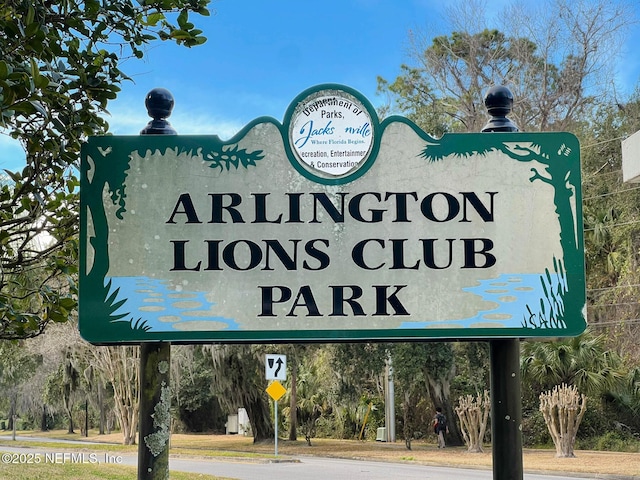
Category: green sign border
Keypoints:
(98, 326)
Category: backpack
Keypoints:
(440, 424)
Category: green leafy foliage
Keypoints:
(583, 361)
(60, 68)
(197, 407)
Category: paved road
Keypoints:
(316, 468)
(307, 467)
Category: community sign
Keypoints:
(331, 226)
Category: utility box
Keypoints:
(232, 424)
(381, 434)
(244, 427)
(631, 158)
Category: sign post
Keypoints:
(276, 390)
(155, 357)
(276, 370)
(506, 401)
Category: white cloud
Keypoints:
(128, 121)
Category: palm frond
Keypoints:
(437, 151)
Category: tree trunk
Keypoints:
(293, 410)
(12, 414)
(408, 424)
(439, 392)
(101, 408)
(260, 418)
(120, 365)
(68, 405)
(43, 419)
(86, 417)
(70, 423)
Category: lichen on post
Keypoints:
(157, 441)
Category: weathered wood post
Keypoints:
(155, 357)
(506, 401)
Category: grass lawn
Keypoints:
(83, 471)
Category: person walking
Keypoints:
(440, 426)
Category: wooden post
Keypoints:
(155, 357)
(506, 401)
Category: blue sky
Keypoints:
(261, 54)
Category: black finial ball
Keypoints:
(499, 101)
(159, 103)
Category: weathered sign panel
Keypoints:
(331, 226)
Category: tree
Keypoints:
(120, 366)
(298, 355)
(192, 381)
(612, 230)
(440, 369)
(60, 67)
(473, 414)
(563, 409)
(472, 368)
(410, 361)
(358, 380)
(58, 385)
(16, 366)
(584, 361)
(552, 56)
(238, 380)
(311, 401)
(63, 387)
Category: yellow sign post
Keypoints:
(276, 390)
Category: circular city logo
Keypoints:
(331, 133)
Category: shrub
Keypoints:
(618, 441)
(534, 431)
(595, 422)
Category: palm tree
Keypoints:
(583, 361)
(626, 400)
(312, 401)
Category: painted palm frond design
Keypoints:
(439, 150)
(229, 156)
